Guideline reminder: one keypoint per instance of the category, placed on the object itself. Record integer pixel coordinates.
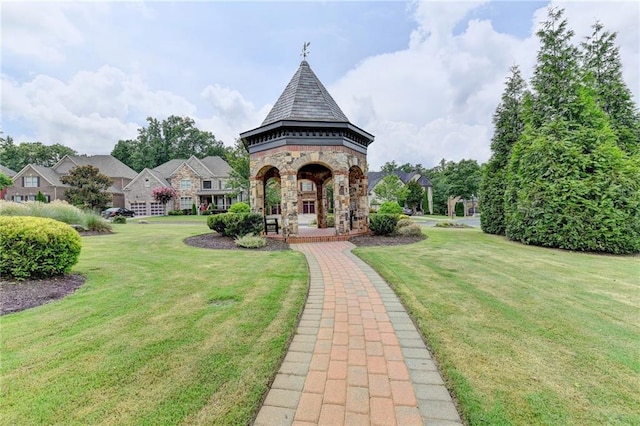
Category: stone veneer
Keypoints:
(348, 168)
(185, 172)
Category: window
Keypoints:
(308, 207)
(185, 203)
(185, 184)
(31, 181)
(206, 184)
(222, 184)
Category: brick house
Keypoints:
(33, 179)
(202, 182)
(8, 173)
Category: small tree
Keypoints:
(415, 194)
(40, 197)
(391, 188)
(88, 187)
(164, 194)
(5, 181)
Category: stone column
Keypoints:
(321, 197)
(289, 201)
(341, 201)
(256, 195)
(363, 204)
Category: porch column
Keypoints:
(289, 201)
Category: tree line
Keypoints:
(565, 165)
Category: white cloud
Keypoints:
(435, 99)
(38, 30)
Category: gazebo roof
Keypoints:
(305, 99)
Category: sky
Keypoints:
(424, 77)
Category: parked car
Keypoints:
(117, 211)
(407, 211)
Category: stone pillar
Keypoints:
(256, 195)
(321, 197)
(363, 204)
(341, 201)
(289, 201)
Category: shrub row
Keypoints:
(390, 224)
(36, 247)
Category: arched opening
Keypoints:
(314, 195)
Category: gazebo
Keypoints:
(306, 138)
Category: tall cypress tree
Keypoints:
(508, 126)
(569, 185)
(601, 59)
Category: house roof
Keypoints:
(107, 164)
(305, 99)
(205, 167)
(146, 172)
(7, 171)
(46, 173)
(375, 177)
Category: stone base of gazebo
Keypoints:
(314, 235)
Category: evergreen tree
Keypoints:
(508, 125)
(569, 185)
(556, 75)
(601, 59)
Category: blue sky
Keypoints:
(423, 77)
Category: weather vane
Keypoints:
(305, 50)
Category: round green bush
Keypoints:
(412, 230)
(390, 207)
(119, 219)
(383, 224)
(33, 247)
(236, 224)
(240, 208)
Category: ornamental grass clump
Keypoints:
(251, 241)
(34, 247)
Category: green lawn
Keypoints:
(524, 335)
(160, 333)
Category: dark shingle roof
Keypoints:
(108, 165)
(7, 171)
(305, 99)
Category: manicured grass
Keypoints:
(524, 335)
(161, 333)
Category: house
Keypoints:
(33, 179)
(375, 178)
(8, 173)
(202, 182)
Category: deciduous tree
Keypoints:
(391, 188)
(17, 156)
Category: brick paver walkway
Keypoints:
(356, 358)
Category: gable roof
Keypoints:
(205, 167)
(146, 172)
(216, 165)
(108, 165)
(165, 170)
(305, 99)
(7, 171)
(46, 173)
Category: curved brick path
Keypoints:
(356, 357)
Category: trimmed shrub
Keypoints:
(236, 224)
(175, 213)
(331, 220)
(412, 230)
(390, 207)
(119, 219)
(36, 247)
(383, 224)
(240, 207)
(194, 209)
(251, 241)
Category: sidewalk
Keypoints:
(356, 357)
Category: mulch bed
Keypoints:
(17, 296)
